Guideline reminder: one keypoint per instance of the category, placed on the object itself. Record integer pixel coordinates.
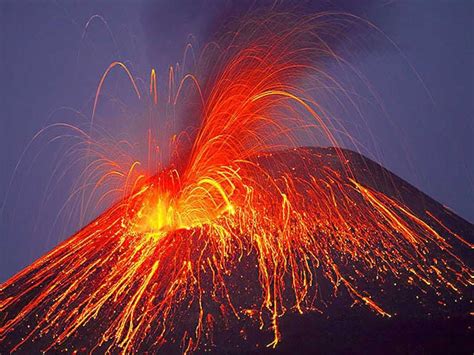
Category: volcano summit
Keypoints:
(109, 287)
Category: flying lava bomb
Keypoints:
(242, 225)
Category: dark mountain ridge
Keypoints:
(414, 328)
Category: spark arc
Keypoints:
(243, 225)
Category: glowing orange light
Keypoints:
(172, 245)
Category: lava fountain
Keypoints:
(242, 225)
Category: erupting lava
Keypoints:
(241, 225)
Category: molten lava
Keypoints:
(169, 262)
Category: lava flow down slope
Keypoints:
(244, 226)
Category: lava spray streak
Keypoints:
(242, 225)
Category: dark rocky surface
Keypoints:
(415, 328)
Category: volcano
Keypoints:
(72, 300)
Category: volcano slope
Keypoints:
(103, 289)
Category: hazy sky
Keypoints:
(48, 62)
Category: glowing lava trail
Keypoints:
(241, 225)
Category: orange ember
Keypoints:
(239, 194)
